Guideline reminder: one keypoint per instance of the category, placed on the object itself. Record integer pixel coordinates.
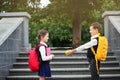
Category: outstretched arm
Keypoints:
(83, 47)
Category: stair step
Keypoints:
(57, 53)
(61, 53)
(66, 77)
(67, 59)
(69, 64)
(74, 67)
(66, 71)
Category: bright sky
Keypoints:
(44, 3)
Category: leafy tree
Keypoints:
(76, 11)
(67, 20)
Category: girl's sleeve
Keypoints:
(43, 54)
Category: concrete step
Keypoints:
(56, 53)
(66, 71)
(65, 77)
(69, 64)
(67, 59)
(64, 67)
(61, 53)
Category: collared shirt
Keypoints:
(43, 52)
(89, 44)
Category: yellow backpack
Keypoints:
(102, 50)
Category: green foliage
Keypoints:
(57, 17)
(59, 32)
(85, 32)
(109, 5)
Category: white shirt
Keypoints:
(43, 52)
(89, 44)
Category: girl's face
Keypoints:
(93, 31)
(45, 38)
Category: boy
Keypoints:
(95, 32)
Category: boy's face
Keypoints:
(93, 31)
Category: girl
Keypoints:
(44, 71)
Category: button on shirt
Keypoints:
(89, 44)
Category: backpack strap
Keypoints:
(92, 49)
(39, 57)
(42, 45)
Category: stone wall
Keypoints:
(13, 39)
(112, 31)
(25, 35)
(9, 51)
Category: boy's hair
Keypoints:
(41, 33)
(96, 25)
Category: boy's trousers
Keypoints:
(93, 69)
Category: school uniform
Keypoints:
(91, 58)
(45, 60)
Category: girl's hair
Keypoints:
(96, 25)
(41, 33)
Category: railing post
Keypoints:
(25, 34)
(108, 26)
(112, 31)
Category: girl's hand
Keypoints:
(53, 56)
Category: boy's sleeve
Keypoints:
(87, 45)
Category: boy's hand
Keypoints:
(69, 52)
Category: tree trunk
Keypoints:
(76, 29)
